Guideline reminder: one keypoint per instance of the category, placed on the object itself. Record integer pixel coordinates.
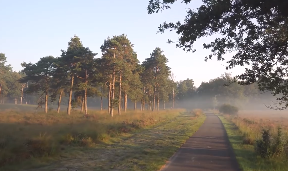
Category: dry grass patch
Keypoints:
(255, 148)
(38, 136)
(147, 149)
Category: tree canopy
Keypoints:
(256, 30)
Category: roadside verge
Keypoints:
(245, 155)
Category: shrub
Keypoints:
(263, 146)
(268, 147)
(279, 145)
(228, 109)
(197, 112)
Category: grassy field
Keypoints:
(243, 131)
(133, 141)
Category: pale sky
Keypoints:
(31, 29)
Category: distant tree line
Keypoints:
(116, 77)
(77, 74)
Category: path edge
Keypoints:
(231, 151)
(168, 162)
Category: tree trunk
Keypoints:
(101, 103)
(59, 101)
(150, 105)
(85, 93)
(82, 104)
(113, 91)
(154, 101)
(21, 95)
(85, 102)
(158, 103)
(46, 102)
(112, 96)
(143, 100)
(164, 104)
(120, 96)
(70, 96)
(109, 96)
(125, 101)
(173, 99)
(135, 104)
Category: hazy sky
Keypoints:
(31, 29)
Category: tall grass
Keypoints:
(252, 128)
(25, 134)
(257, 141)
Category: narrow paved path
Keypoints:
(207, 150)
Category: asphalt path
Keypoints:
(207, 150)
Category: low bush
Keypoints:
(197, 112)
(228, 109)
(269, 147)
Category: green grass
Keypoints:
(245, 155)
(146, 149)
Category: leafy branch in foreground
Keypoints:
(257, 30)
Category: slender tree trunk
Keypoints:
(120, 96)
(135, 104)
(125, 101)
(158, 102)
(70, 96)
(101, 103)
(164, 104)
(1, 100)
(154, 101)
(59, 101)
(112, 96)
(113, 91)
(109, 97)
(173, 99)
(46, 102)
(85, 102)
(143, 100)
(150, 105)
(82, 104)
(85, 93)
(21, 95)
